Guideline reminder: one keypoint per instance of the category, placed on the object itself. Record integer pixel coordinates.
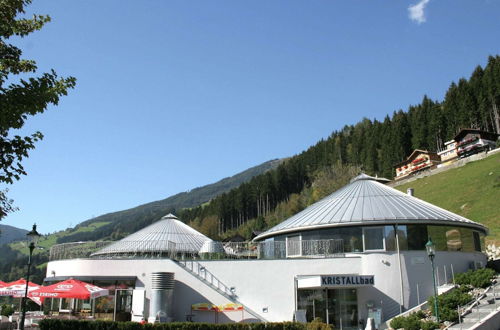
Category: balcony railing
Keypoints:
(241, 250)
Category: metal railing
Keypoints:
(204, 274)
(231, 250)
(76, 249)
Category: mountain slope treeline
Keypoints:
(121, 223)
(372, 145)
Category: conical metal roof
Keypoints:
(166, 235)
(365, 201)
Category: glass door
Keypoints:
(313, 301)
(342, 309)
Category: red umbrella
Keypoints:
(69, 289)
(2, 284)
(17, 288)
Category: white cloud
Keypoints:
(416, 12)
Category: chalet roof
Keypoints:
(484, 134)
(166, 235)
(367, 202)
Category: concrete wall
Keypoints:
(269, 284)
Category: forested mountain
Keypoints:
(372, 145)
(9, 234)
(118, 224)
(266, 195)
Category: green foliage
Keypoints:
(429, 325)
(109, 325)
(7, 310)
(448, 303)
(480, 278)
(410, 322)
(413, 321)
(21, 98)
(318, 324)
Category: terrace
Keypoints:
(327, 248)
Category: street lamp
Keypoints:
(431, 252)
(33, 237)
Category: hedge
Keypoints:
(57, 324)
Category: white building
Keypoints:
(338, 259)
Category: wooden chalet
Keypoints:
(418, 161)
(471, 141)
(449, 154)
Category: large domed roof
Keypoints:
(166, 235)
(366, 201)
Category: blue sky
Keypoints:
(172, 95)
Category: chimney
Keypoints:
(410, 191)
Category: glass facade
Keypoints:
(338, 307)
(383, 238)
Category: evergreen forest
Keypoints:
(371, 146)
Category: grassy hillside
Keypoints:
(472, 191)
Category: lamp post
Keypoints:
(431, 252)
(33, 237)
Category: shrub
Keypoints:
(429, 325)
(448, 303)
(55, 324)
(317, 324)
(480, 278)
(7, 310)
(410, 322)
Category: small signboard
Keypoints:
(335, 281)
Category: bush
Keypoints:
(410, 322)
(448, 303)
(317, 324)
(480, 278)
(429, 325)
(55, 324)
(7, 310)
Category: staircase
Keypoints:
(485, 306)
(201, 273)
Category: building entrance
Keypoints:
(338, 307)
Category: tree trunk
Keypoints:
(496, 118)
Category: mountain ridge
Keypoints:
(10, 234)
(119, 223)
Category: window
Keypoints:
(373, 238)
(293, 246)
(390, 238)
(417, 237)
(477, 241)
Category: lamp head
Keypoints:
(431, 248)
(33, 236)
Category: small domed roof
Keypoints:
(166, 235)
(366, 201)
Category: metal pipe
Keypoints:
(401, 303)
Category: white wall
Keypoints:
(270, 283)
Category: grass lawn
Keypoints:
(472, 191)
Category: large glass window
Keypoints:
(467, 239)
(453, 239)
(390, 238)
(417, 237)
(373, 238)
